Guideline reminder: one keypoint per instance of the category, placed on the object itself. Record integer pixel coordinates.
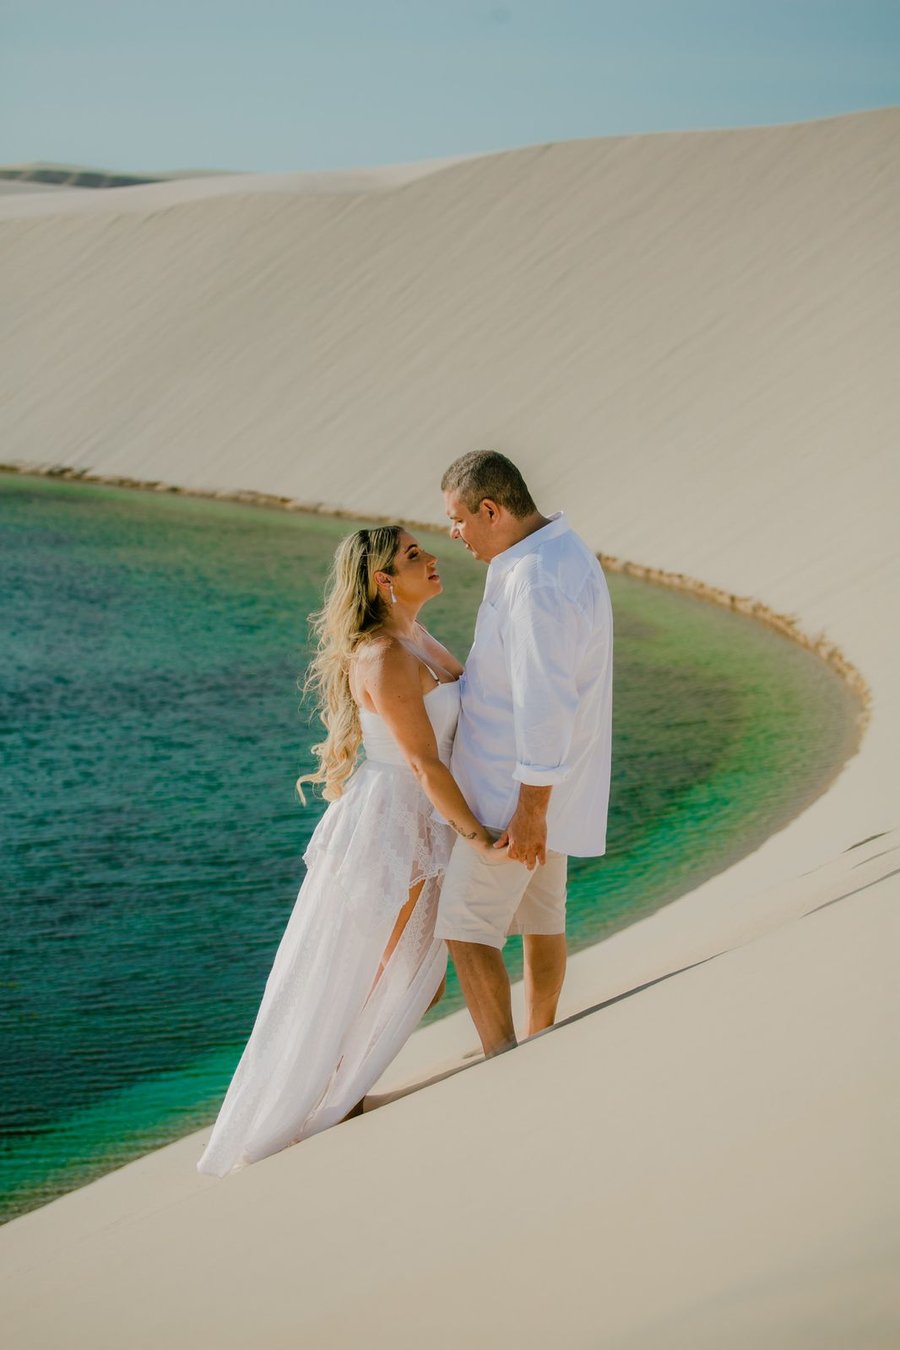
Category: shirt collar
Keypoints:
(556, 525)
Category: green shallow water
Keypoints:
(150, 734)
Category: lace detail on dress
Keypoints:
(382, 843)
(381, 835)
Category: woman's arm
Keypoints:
(393, 682)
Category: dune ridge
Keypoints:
(87, 189)
(689, 341)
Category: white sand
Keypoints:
(690, 342)
(15, 187)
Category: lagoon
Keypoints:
(151, 734)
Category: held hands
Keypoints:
(525, 837)
(484, 843)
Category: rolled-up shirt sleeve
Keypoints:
(543, 641)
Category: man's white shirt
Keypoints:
(536, 696)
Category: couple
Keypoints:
(455, 830)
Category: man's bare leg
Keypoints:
(545, 970)
(485, 986)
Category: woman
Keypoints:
(358, 964)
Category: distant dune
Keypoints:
(156, 192)
(82, 176)
(67, 175)
(689, 341)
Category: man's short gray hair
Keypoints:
(487, 474)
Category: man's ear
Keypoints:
(490, 508)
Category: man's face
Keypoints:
(472, 527)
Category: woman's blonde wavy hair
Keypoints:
(353, 609)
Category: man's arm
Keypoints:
(526, 834)
(542, 646)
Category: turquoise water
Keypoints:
(151, 732)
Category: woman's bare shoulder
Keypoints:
(378, 661)
(383, 656)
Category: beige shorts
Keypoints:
(483, 900)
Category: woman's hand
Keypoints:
(486, 844)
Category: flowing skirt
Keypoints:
(329, 1024)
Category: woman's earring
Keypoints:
(393, 596)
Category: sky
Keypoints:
(273, 85)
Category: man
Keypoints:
(532, 749)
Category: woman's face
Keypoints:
(415, 576)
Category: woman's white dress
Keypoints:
(328, 1025)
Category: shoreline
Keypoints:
(785, 624)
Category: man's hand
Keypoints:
(525, 837)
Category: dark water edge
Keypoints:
(136, 702)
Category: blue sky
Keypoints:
(289, 84)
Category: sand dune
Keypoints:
(15, 187)
(179, 189)
(690, 342)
